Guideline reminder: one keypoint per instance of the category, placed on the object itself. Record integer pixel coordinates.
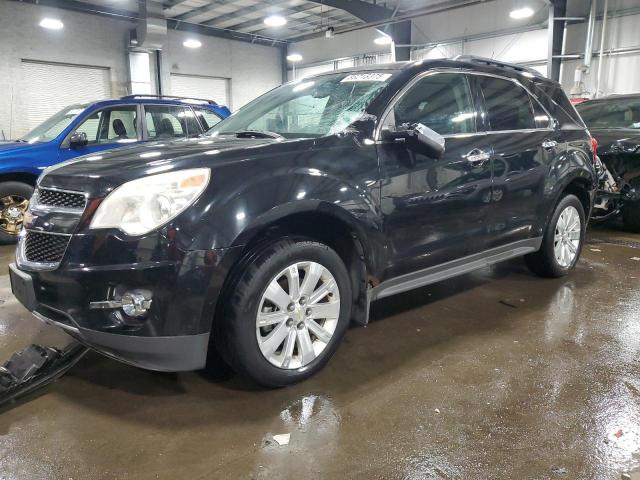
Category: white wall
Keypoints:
(85, 40)
(620, 73)
(449, 29)
(253, 69)
(102, 41)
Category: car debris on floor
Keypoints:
(34, 367)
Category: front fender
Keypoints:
(265, 199)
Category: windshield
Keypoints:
(308, 108)
(51, 128)
(622, 113)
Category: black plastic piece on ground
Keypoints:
(34, 367)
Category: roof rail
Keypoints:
(497, 63)
(171, 97)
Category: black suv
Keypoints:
(262, 240)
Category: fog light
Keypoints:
(135, 303)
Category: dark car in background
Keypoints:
(88, 129)
(263, 240)
(614, 122)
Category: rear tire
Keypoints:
(13, 195)
(287, 340)
(562, 241)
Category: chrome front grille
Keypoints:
(41, 247)
(60, 198)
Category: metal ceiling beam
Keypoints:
(405, 15)
(126, 15)
(213, 4)
(305, 24)
(369, 12)
(259, 7)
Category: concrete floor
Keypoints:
(497, 374)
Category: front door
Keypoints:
(434, 209)
(108, 128)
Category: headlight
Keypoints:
(142, 205)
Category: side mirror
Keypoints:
(78, 139)
(418, 136)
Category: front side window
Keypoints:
(309, 108)
(440, 101)
(169, 122)
(110, 125)
(207, 118)
(508, 105)
(622, 113)
(53, 126)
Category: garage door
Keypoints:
(49, 87)
(196, 86)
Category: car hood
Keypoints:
(99, 173)
(7, 148)
(616, 140)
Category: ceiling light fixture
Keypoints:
(383, 40)
(192, 43)
(275, 21)
(520, 13)
(294, 57)
(51, 24)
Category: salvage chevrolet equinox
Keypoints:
(263, 239)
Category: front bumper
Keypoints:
(173, 336)
(164, 354)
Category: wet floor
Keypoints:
(494, 375)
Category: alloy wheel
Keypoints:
(12, 210)
(566, 241)
(297, 315)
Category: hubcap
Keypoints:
(297, 315)
(12, 209)
(567, 236)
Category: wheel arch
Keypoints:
(323, 223)
(24, 177)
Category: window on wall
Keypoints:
(166, 122)
(508, 105)
(442, 102)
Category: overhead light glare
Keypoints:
(383, 40)
(275, 21)
(51, 24)
(294, 57)
(520, 13)
(192, 43)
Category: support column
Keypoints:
(557, 8)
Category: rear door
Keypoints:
(434, 209)
(169, 122)
(524, 142)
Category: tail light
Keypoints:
(594, 148)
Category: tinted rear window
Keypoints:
(508, 105)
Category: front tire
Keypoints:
(286, 313)
(14, 201)
(562, 241)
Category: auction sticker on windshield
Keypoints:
(366, 77)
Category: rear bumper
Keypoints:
(165, 353)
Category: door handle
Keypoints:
(549, 144)
(477, 157)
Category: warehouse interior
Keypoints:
(492, 374)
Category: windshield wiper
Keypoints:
(257, 134)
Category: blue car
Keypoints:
(90, 128)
